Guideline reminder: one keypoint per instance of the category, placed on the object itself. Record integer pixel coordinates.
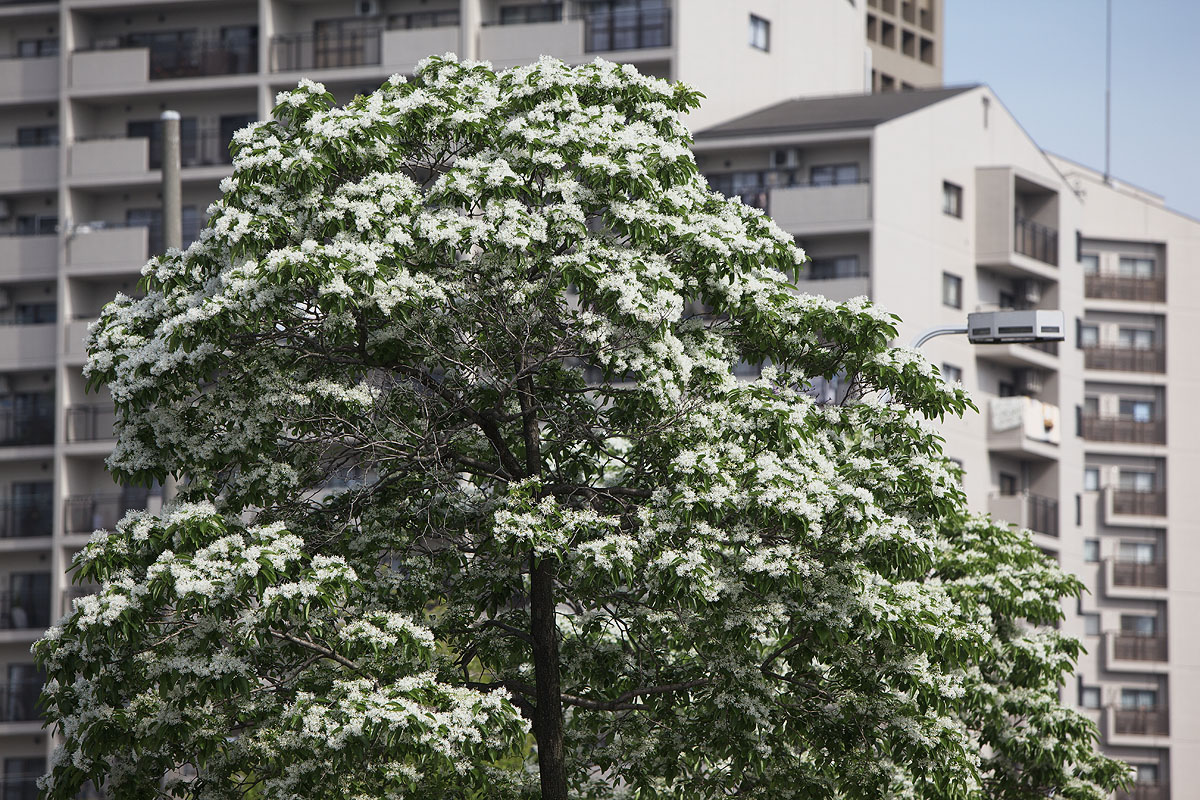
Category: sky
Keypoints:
(1045, 61)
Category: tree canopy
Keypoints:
(474, 502)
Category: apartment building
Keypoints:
(933, 201)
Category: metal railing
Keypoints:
(1130, 647)
(89, 512)
(89, 423)
(24, 611)
(353, 48)
(1144, 504)
(26, 517)
(1128, 359)
(190, 57)
(424, 19)
(19, 787)
(1042, 514)
(1123, 429)
(19, 701)
(1152, 575)
(1142, 721)
(1036, 241)
(626, 30)
(759, 195)
(32, 426)
(1125, 287)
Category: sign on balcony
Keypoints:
(1034, 419)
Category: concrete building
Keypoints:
(933, 201)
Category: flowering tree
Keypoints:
(448, 383)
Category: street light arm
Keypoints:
(937, 330)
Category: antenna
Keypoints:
(1108, 95)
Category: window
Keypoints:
(1136, 338)
(1090, 263)
(1091, 551)
(1091, 624)
(1133, 480)
(1139, 698)
(37, 48)
(37, 136)
(1137, 410)
(1091, 406)
(1008, 484)
(1139, 552)
(1089, 336)
(1007, 300)
(951, 373)
(951, 290)
(831, 267)
(833, 174)
(1089, 696)
(1145, 774)
(36, 313)
(626, 24)
(952, 199)
(36, 225)
(1091, 479)
(1136, 267)
(1138, 625)
(515, 15)
(760, 33)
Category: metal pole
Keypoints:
(1108, 94)
(939, 330)
(172, 190)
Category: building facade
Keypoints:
(933, 201)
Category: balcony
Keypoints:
(1123, 429)
(19, 787)
(107, 248)
(26, 346)
(1125, 287)
(1140, 503)
(19, 701)
(89, 423)
(1135, 647)
(616, 29)
(1039, 242)
(1125, 359)
(134, 59)
(1035, 512)
(1148, 575)
(801, 208)
(26, 169)
(1024, 427)
(1140, 721)
(25, 256)
(91, 512)
(26, 611)
(305, 51)
(26, 79)
(31, 426)
(133, 158)
(26, 517)
(510, 43)
(1145, 791)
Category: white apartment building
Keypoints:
(933, 201)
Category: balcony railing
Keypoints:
(1124, 429)
(615, 29)
(24, 611)
(25, 517)
(1032, 511)
(1142, 504)
(19, 701)
(1141, 721)
(1145, 791)
(90, 512)
(89, 423)
(1036, 241)
(191, 57)
(1125, 287)
(19, 787)
(30, 426)
(1128, 359)
(352, 48)
(1131, 647)
(1152, 575)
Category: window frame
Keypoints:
(952, 290)
(760, 33)
(952, 200)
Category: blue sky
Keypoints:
(1045, 60)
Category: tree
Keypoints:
(448, 382)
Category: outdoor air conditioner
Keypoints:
(1030, 291)
(366, 8)
(785, 158)
(1030, 381)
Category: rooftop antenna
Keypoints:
(1108, 95)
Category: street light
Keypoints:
(1003, 327)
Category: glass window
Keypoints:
(1090, 263)
(37, 48)
(952, 199)
(951, 290)
(1139, 552)
(1008, 484)
(831, 267)
(1089, 696)
(833, 174)
(37, 136)
(1146, 773)
(1136, 267)
(1136, 338)
(1137, 410)
(1091, 624)
(760, 33)
(1091, 406)
(1138, 624)
(951, 373)
(1089, 336)
(515, 15)
(1091, 551)
(1091, 479)
(1133, 480)
(1139, 698)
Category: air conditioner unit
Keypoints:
(785, 158)
(366, 8)
(5, 209)
(1030, 291)
(1030, 381)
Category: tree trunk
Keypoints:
(547, 717)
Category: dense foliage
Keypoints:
(474, 504)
